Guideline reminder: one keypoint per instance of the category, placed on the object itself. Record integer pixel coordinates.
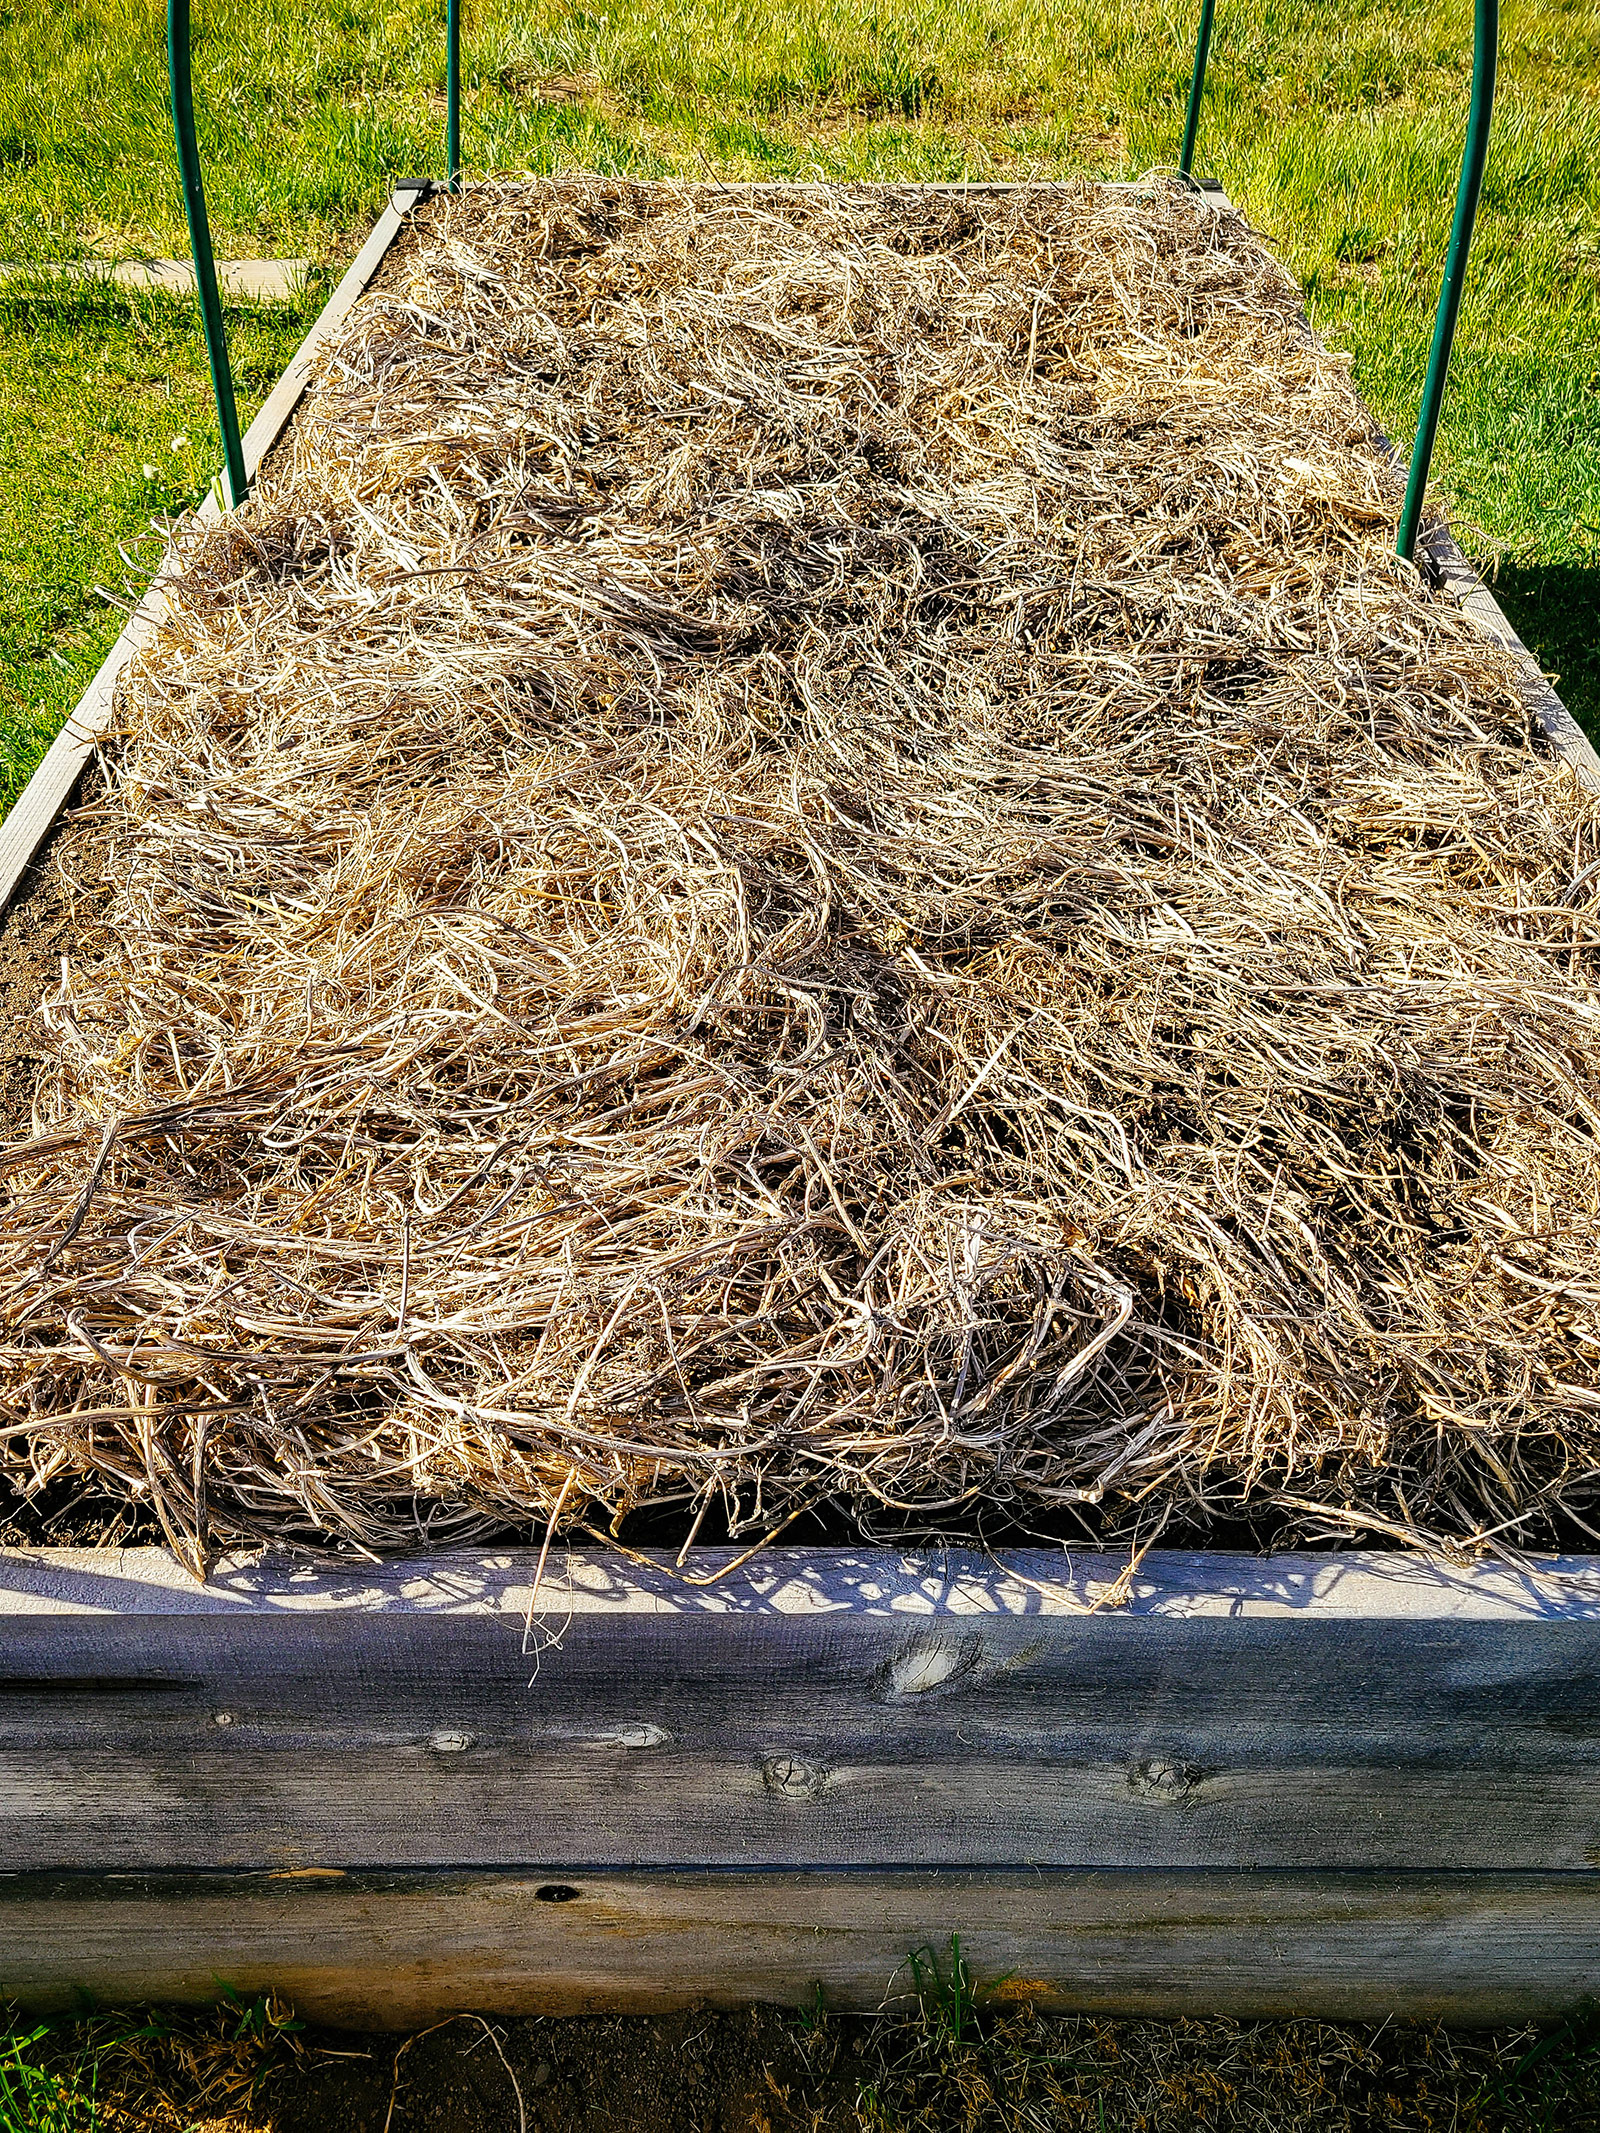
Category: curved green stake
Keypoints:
(205, 266)
(452, 96)
(1191, 124)
(1486, 39)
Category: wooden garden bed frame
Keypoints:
(1342, 1784)
(1348, 1784)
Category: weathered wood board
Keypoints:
(1335, 1783)
(396, 1949)
(850, 1733)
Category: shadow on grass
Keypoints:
(1555, 609)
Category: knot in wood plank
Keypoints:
(792, 1779)
(927, 1663)
(1163, 1782)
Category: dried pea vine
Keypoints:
(806, 846)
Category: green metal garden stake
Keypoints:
(452, 96)
(1191, 124)
(205, 265)
(1486, 39)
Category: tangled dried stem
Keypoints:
(807, 846)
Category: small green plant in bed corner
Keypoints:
(1340, 138)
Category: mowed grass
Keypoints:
(1339, 133)
(96, 389)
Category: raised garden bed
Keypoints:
(1347, 1785)
(1338, 1782)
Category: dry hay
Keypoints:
(808, 846)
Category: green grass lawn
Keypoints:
(94, 391)
(1338, 133)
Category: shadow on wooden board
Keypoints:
(1345, 1785)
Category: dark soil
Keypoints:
(238, 2069)
(684, 2073)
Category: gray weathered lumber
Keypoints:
(1566, 737)
(376, 1948)
(1347, 1785)
(818, 1709)
(45, 794)
(1361, 1584)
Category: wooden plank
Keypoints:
(25, 828)
(258, 280)
(841, 1710)
(1365, 1584)
(1566, 737)
(396, 1949)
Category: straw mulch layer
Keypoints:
(808, 846)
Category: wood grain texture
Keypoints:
(835, 1710)
(1566, 737)
(398, 1949)
(30, 820)
(1359, 1584)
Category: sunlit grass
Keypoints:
(96, 389)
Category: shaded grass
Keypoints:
(180, 2071)
(1556, 607)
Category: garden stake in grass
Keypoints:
(1485, 46)
(452, 131)
(205, 266)
(1486, 38)
(1191, 122)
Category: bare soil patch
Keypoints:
(767, 2070)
